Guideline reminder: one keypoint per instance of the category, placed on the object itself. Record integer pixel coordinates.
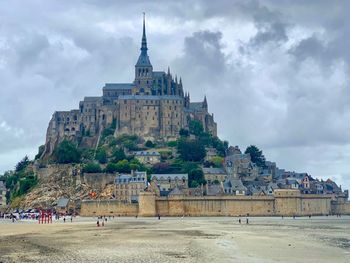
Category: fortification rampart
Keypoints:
(108, 208)
(284, 202)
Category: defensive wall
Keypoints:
(284, 202)
(108, 208)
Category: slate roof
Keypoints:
(171, 176)
(176, 191)
(235, 184)
(213, 170)
(146, 153)
(158, 73)
(118, 86)
(149, 97)
(214, 189)
(62, 202)
(196, 106)
(92, 99)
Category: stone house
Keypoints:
(210, 153)
(234, 187)
(62, 206)
(129, 186)
(168, 182)
(212, 174)
(147, 157)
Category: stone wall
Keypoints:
(285, 202)
(340, 207)
(98, 181)
(108, 208)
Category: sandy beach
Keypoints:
(213, 239)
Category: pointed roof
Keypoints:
(205, 103)
(143, 58)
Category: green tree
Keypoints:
(118, 155)
(172, 144)
(256, 155)
(92, 168)
(101, 155)
(123, 166)
(67, 152)
(111, 168)
(217, 161)
(150, 144)
(190, 150)
(197, 176)
(184, 133)
(196, 127)
(21, 165)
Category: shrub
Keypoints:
(67, 152)
(150, 144)
(101, 155)
(92, 168)
(191, 150)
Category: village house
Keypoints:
(210, 153)
(167, 182)
(214, 174)
(234, 187)
(147, 157)
(129, 186)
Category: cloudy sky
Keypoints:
(276, 73)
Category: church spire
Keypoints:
(144, 39)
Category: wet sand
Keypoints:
(212, 239)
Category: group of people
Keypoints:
(103, 221)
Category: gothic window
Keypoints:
(169, 107)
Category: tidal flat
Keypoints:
(172, 239)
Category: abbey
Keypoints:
(154, 106)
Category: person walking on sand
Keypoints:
(247, 221)
(158, 216)
(71, 219)
(239, 221)
(64, 220)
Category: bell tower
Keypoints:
(143, 68)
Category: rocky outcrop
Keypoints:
(66, 180)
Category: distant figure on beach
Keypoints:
(293, 217)
(309, 216)
(158, 216)
(239, 220)
(98, 223)
(282, 217)
(71, 219)
(64, 220)
(247, 221)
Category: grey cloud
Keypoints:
(285, 87)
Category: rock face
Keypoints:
(57, 181)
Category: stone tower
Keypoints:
(143, 68)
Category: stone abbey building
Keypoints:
(154, 106)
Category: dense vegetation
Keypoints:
(20, 181)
